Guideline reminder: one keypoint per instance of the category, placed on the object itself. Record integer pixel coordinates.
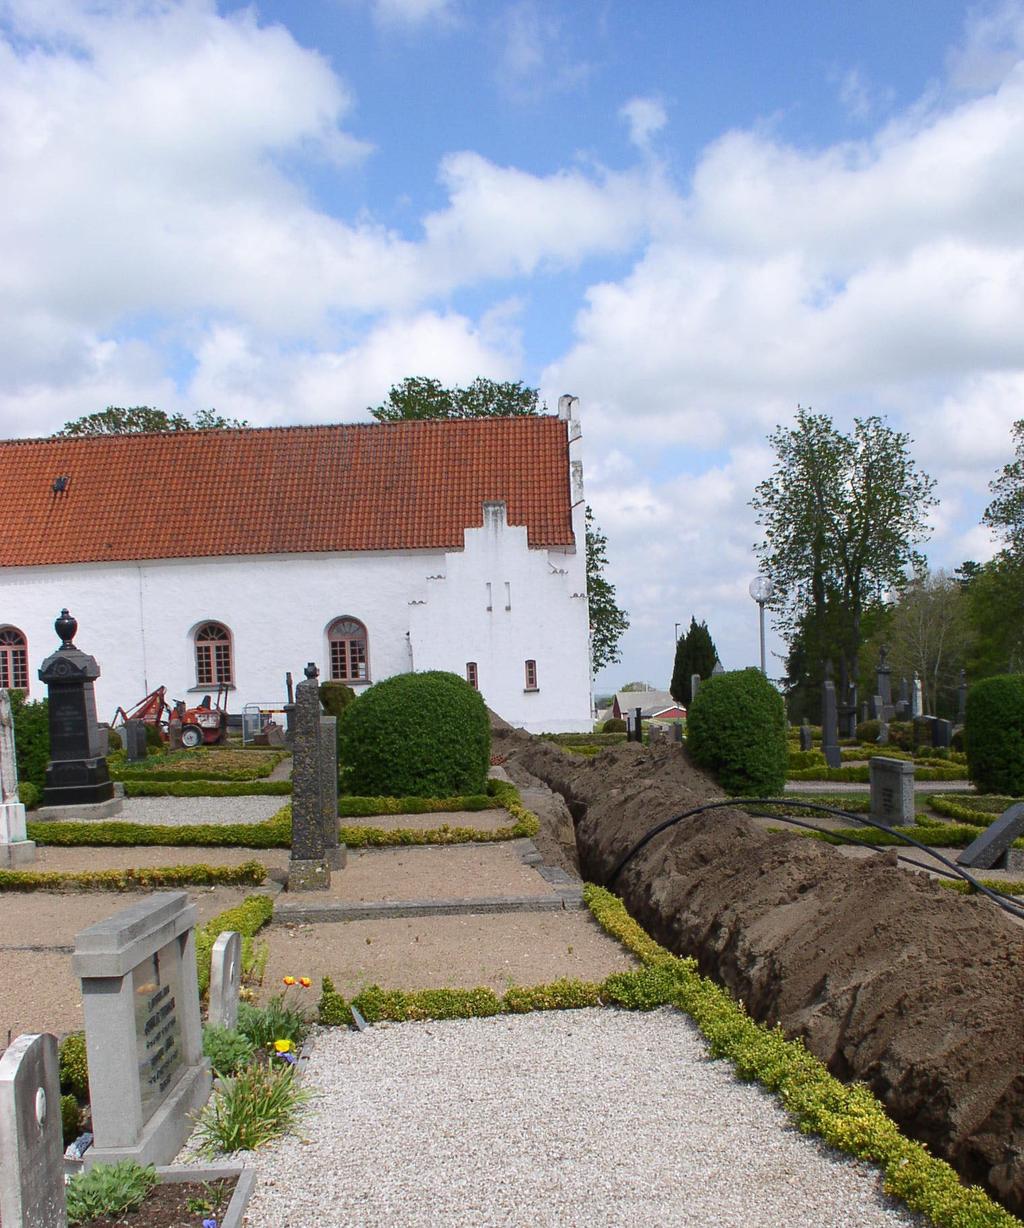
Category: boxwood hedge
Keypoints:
(994, 725)
(737, 730)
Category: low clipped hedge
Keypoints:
(417, 735)
(525, 825)
(206, 788)
(249, 873)
(971, 808)
(210, 764)
(247, 919)
(936, 835)
(798, 760)
(994, 733)
(861, 775)
(737, 730)
(365, 807)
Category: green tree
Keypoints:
(1005, 513)
(115, 420)
(695, 654)
(607, 622)
(419, 397)
(841, 517)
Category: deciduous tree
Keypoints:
(115, 420)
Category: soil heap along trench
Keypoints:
(890, 979)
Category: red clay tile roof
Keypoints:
(388, 486)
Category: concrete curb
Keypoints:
(234, 1213)
(566, 899)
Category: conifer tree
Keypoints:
(695, 654)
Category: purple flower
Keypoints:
(209, 1223)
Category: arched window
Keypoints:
(13, 659)
(347, 638)
(213, 656)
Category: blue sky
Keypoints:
(694, 216)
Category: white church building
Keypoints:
(193, 559)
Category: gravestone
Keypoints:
(638, 724)
(848, 713)
(864, 711)
(830, 721)
(879, 709)
(143, 1036)
(961, 698)
(806, 736)
(883, 682)
(993, 850)
(174, 732)
(923, 727)
(225, 980)
(916, 699)
(76, 776)
(883, 733)
(695, 681)
(942, 734)
(15, 847)
(103, 732)
(333, 852)
(892, 790)
(31, 1144)
(135, 740)
(677, 731)
(308, 869)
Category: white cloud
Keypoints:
(535, 56)
(414, 13)
(645, 117)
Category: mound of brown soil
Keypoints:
(889, 978)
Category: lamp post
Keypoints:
(762, 590)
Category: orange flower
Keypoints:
(305, 982)
(289, 980)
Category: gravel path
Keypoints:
(181, 811)
(600, 1117)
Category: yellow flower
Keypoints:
(305, 982)
(283, 1046)
(289, 980)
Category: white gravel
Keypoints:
(597, 1117)
(181, 811)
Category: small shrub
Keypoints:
(31, 738)
(154, 742)
(247, 918)
(615, 725)
(252, 1108)
(108, 1190)
(262, 1025)
(30, 795)
(70, 1118)
(74, 1067)
(336, 697)
(868, 731)
(994, 726)
(901, 734)
(227, 1049)
(421, 735)
(800, 760)
(737, 730)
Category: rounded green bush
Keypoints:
(737, 730)
(336, 697)
(416, 735)
(994, 728)
(868, 731)
(614, 724)
(31, 738)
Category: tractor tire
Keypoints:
(191, 737)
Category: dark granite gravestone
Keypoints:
(942, 734)
(883, 680)
(993, 850)
(135, 740)
(830, 721)
(864, 711)
(677, 731)
(76, 774)
(923, 726)
(308, 869)
(333, 852)
(806, 737)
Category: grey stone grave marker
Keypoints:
(15, 847)
(174, 732)
(883, 733)
(830, 721)
(135, 740)
(76, 775)
(864, 711)
(806, 737)
(993, 850)
(31, 1146)
(143, 1035)
(677, 731)
(879, 709)
(333, 852)
(883, 681)
(892, 790)
(916, 698)
(695, 681)
(225, 980)
(308, 868)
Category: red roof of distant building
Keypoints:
(185, 494)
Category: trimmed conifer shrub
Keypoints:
(994, 729)
(737, 730)
(416, 735)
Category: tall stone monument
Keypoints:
(76, 776)
(308, 867)
(15, 848)
(830, 721)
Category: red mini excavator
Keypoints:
(207, 723)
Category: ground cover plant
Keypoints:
(108, 1190)
(423, 735)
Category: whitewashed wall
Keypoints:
(138, 620)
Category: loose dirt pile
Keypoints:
(889, 978)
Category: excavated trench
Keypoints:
(891, 980)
